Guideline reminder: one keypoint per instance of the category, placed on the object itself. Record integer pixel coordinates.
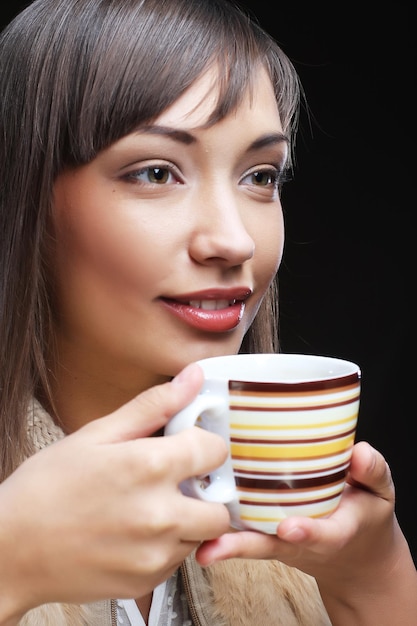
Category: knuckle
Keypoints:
(156, 462)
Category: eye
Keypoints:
(153, 175)
(265, 182)
(263, 178)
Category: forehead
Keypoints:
(194, 107)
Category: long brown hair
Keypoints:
(75, 76)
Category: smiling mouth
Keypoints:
(209, 315)
(211, 305)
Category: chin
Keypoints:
(201, 352)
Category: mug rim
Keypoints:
(349, 372)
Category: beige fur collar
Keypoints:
(57, 615)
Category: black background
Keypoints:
(347, 277)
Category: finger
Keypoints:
(149, 411)
(369, 470)
(293, 536)
(242, 544)
(203, 521)
(193, 452)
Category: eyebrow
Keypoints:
(173, 133)
(187, 138)
(269, 139)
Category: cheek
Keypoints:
(121, 263)
(101, 235)
(103, 262)
(269, 246)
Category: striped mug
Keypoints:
(289, 421)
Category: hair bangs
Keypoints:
(135, 59)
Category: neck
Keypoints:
(144, 606)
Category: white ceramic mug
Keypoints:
(290, 423)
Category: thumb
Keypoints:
(149, 411)
(370, 471)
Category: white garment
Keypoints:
(135, 617)
(169, 607)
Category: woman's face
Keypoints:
(167, 241)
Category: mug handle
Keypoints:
(211, 413)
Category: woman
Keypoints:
(144, 145)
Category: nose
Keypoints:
(220, 234)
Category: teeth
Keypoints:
(211, 305)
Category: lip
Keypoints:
(214, 310)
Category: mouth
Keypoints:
(212, 305)
(212, 314)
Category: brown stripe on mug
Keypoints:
(294, 502)
(342, 382)
(281, 484)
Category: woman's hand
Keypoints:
(358, 555)
(99, 513)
